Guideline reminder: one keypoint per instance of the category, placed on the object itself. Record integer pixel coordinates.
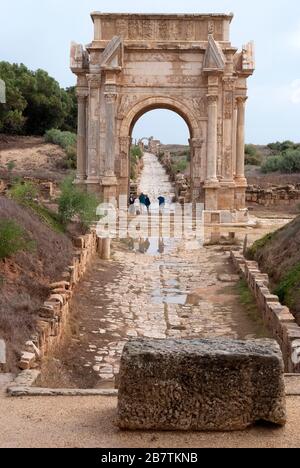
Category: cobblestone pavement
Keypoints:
(158, 289)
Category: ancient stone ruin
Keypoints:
(185, 63)
(284, 195)
(198, 385)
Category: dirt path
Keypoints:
(70, 422)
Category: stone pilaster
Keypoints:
(212, 184)
(234, 128)
(110, 95)
(228, 116)
(240, 141)
(123, 167)
(109, 181)
(93, 129)
(82, 94)
(240, 180)
(197, 177)
(212, 129)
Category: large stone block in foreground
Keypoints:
(200, 385)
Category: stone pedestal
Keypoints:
(200, 385)
(109, 188)
(211, 196)
(106, 245)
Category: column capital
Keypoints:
(82, 93)
(229, 82)
(212, 98)
(241, 99)
(196, 142)
(110, 92)
(94, 80)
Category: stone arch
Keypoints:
(160, 102)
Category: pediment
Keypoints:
(214, 58)
(112, 57)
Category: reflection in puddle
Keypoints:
(171, 294)
(166, 297)
(151, 246)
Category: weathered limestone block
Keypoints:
(195, 385)
(27, 360)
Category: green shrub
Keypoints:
(136, 152)
(287, 162)
(272, 164)
(67, 141)
(286, 288)
(250, 150)
(71, 153)
(135, 155)
(63, 139)
(23, 192)
(179, 166)
(48, 217)
(12, 239)
(10, 165)
(280, 147)
(75, 203)
(258, 245)
(255, 160)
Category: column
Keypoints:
(234, 128)
(197, 175)
(110, 104)
(81, 135)
(109, 181)
(93, 159)
(212, 143)
(240, 139)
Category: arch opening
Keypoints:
(169, 133)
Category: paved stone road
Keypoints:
(155, 289)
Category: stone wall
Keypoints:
(54, 313)
(277, 317)
(277, 195)
(46, 188)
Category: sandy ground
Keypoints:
(31, 157)
(90, 422)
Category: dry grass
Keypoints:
(26, 276)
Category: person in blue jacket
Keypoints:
(162, 203)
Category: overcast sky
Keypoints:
(38, 33)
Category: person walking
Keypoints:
(162, 203)
(132, 204)
(142, 200)
(147, 203)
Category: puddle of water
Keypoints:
(151, 246)
(178, 299)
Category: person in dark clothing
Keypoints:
(147, 203)
(132, 204)
(142, 199)
(162, 204)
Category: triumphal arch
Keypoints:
(185, 63)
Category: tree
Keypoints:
(35, 102)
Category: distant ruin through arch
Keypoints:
(184, 63)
